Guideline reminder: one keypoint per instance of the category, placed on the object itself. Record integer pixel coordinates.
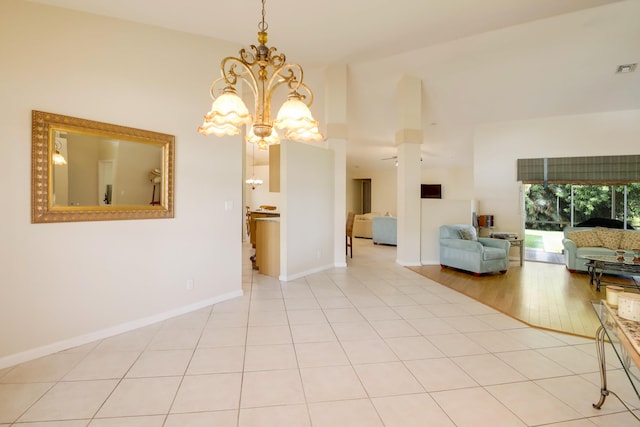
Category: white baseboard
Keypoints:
(46, 350)
(408, 263)
(286, 278)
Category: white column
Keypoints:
(336, 118)
(409, 137)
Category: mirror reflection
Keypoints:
(84, 170)
(91, 170)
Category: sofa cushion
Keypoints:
(586, 238)
(610, 238)
(630, 240)
(468, 234)
(489, 254)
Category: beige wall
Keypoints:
(68, 282)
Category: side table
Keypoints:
(513, 239)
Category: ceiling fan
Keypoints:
(395, 158)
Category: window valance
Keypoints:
(611, 170)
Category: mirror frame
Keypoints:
(43, 146)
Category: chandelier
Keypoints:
(264, 72)
(253, 182)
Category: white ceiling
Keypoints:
(479, 61)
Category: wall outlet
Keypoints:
(190, 284)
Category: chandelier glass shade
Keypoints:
(253, 182)
(57, 157)
(262, 142)
(264, 72)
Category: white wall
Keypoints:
(497, 146)
(307, 226)
(457, 183)
(67, 282)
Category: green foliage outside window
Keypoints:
(549, 208)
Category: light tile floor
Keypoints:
(370, 345)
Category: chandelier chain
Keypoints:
(262, 26)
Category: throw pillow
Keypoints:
(468, 234)
(610, 238)
(586, 238)
(630, 240)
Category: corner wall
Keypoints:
(307, 220)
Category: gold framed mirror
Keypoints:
(83, 170)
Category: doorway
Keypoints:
(362, 195)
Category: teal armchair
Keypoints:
(461, 248)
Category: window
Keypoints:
(555, 206)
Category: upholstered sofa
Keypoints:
(385, 230)
(579, 242)
(461, 248)
(363, 225)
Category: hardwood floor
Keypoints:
(540, 294)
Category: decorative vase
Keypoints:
(620, 256)
(636, 256)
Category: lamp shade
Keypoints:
(294, 115)
(264, 142)
(305, 135)
(228, 113)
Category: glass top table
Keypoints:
(624, 336)
(597, 264)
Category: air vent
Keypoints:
(626, 68)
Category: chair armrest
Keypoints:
(569, 245)
(466, 245)
(495, 243)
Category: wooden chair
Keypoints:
(349, 238)
(248, 220)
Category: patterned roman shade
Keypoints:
(612, 170)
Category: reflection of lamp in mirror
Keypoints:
(58, 158)
(155, 176)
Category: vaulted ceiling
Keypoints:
(479, 61)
